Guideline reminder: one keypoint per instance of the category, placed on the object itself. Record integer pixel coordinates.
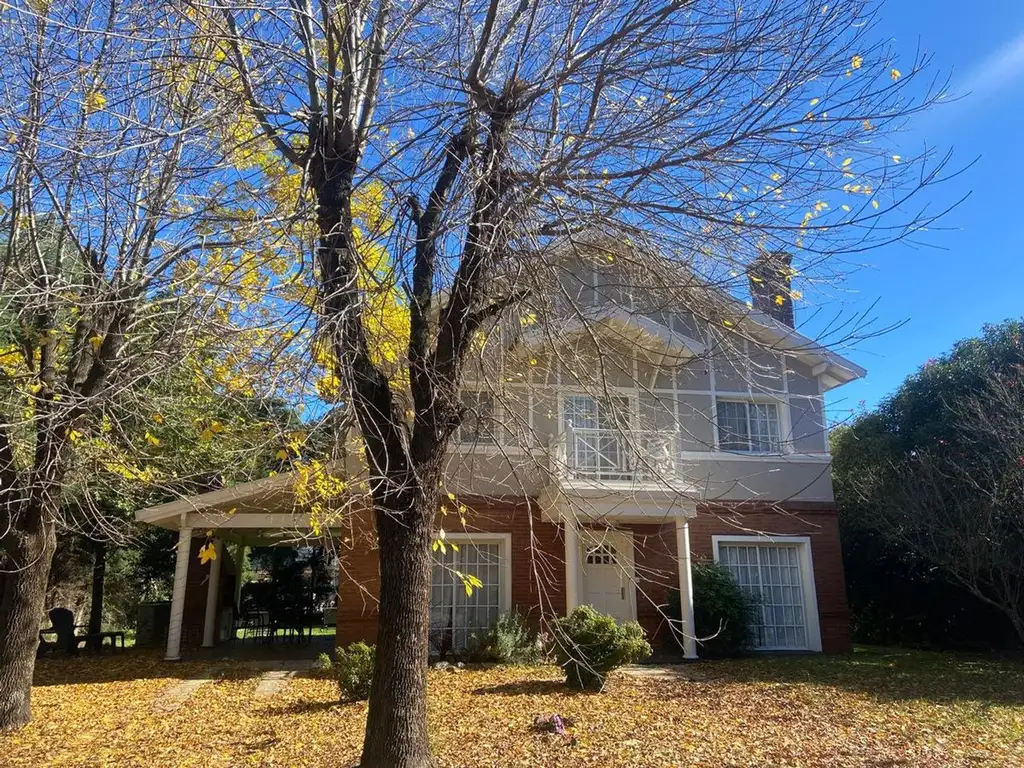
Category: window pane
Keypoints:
(733, 434)
(772, 574)
(455, 616)
(478, 420)
(764, 427)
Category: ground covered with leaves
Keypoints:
(873, 708)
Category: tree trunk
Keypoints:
(396, 726)
(99, 573)
(21, 607)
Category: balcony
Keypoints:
(615, 457)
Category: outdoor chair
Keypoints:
(63, 627)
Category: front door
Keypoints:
(606, 560)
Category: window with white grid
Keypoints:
(478, 419)
(772, 574)
(748, 427)
(603, 554)
(454, 615)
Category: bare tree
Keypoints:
(696, 136)
(113, 213)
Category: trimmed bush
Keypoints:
(352, 670)
(510, 641)
(588, 645)
(724, 616)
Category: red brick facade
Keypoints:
(538, 563)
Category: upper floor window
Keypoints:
(748, 427)
(478, 425)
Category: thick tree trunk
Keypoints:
(396, 727)
(99, 574)
(21, 607)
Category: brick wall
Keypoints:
(538, 564)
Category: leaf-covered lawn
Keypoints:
(874, 708)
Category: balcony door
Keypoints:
(594, 431)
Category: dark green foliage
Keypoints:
(351, 669)
(510, 641)
(900, 590)
(724, 616)
(588, 645)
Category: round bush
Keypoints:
(588, 645)
(352, 670)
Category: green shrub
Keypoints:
(352, 670)
(510, 641)
(724, 616)
(588, 645)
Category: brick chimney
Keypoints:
(771, 276)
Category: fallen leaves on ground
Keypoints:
(874, 708)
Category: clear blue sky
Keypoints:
(971, 271)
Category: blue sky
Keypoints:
(969, 271)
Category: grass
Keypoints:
(874, 708)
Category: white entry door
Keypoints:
(606, 560)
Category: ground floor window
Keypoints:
(455, 616)
(778, 573)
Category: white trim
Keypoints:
(788, 458)
(803, 543)
(570, 531)
(504, 542)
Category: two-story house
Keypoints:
(610, 439)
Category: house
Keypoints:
(604, 449)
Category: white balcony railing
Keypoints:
(614, 455)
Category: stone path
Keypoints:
(171, 699)
(680, 672)
(277, 676)
(273, 678)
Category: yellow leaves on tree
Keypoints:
(316, 490)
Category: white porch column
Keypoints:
(178, 594)
(212, 593)
(685, 587)
(572, 563)
(239, 567)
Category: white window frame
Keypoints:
(803, 545)
(504, 542)
(781, 414)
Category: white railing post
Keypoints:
(685, 587)
(572, 564)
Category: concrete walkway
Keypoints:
(171, 698)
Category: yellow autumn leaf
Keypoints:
(847, 161)
(95, 101)
(814, 102)
(856, 61)
(282, 454)
(896, 158)
(895, 74)
(158, 418)
(207, 552)
(97, 341)
(874, 204)
(779, 301)
(152, 439)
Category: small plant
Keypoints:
(510, 641)
(724, 615)
(588, 645)
(352, 670)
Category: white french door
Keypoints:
(777, 575)
(455, 615)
